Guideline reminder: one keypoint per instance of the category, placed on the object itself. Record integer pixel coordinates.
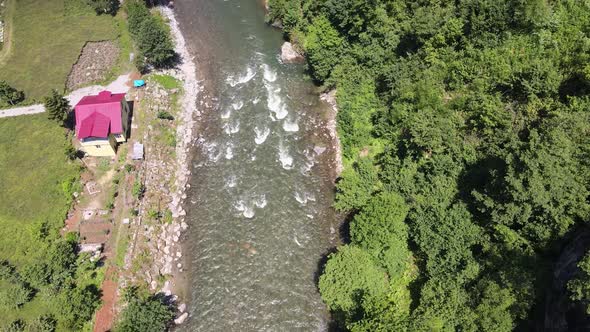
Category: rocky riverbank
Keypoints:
(164, 121)
(185, 73)
(330, 99)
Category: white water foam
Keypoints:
(247, 211)
(275, 102)
(256, 100)
(233, 81)
(212, 151)
(226, 114)
(304, 197)
(260, 201)
(261, 135)
(229, 153)
(231, 181)
(237, 105)
(231, 128)
(269, 74)
(284, 157)
(290, 126)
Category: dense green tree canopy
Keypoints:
(144, 312)
(465, 135)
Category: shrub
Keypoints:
(15, 295)
(144, 312)
(10, 95)
(165, 115)
(151, 36)
(77, 306)
(155, 43)
(154, 214)
(137, 12)
(167, 217)
(138, 189)
(43, 323)
(129, 168)
(15, 326)
(140, 63)
(71, 152)
(104, 6)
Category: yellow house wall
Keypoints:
(100, 147)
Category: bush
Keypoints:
(15, 295)
(129, 168)
(137, 12)
(71, 152)
(151, 36)
(104, 6)
(138, 189)
(144, 312)
(140, 63)
(77, 306)
(43, 323)
(37, 275)
(165, 115)
(10, 95)
(15, 326)
(154, 42)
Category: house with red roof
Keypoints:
(102, 122)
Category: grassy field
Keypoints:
(33, 168)
(47, 37)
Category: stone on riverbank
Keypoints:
(289, 54)
(181, 318)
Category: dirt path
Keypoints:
(120, 85)
(104, 317)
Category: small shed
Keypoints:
(137, 151)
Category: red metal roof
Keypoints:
(95, 125)
(97, 116)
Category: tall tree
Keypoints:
(57, 107)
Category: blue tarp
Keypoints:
(138, 83)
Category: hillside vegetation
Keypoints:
(464, 127)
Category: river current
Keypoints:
(261, 190)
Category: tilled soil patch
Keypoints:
(94, 63)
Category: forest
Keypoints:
(464, 128)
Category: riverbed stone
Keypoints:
(289, 54)
(181, 318)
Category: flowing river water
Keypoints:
(259, 203)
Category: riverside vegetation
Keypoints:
(464, 130)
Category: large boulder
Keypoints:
(181, 318)
(289, 54)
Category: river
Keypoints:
(259, 203)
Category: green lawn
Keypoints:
(166, 81)
(33, 167)
(47, 37)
